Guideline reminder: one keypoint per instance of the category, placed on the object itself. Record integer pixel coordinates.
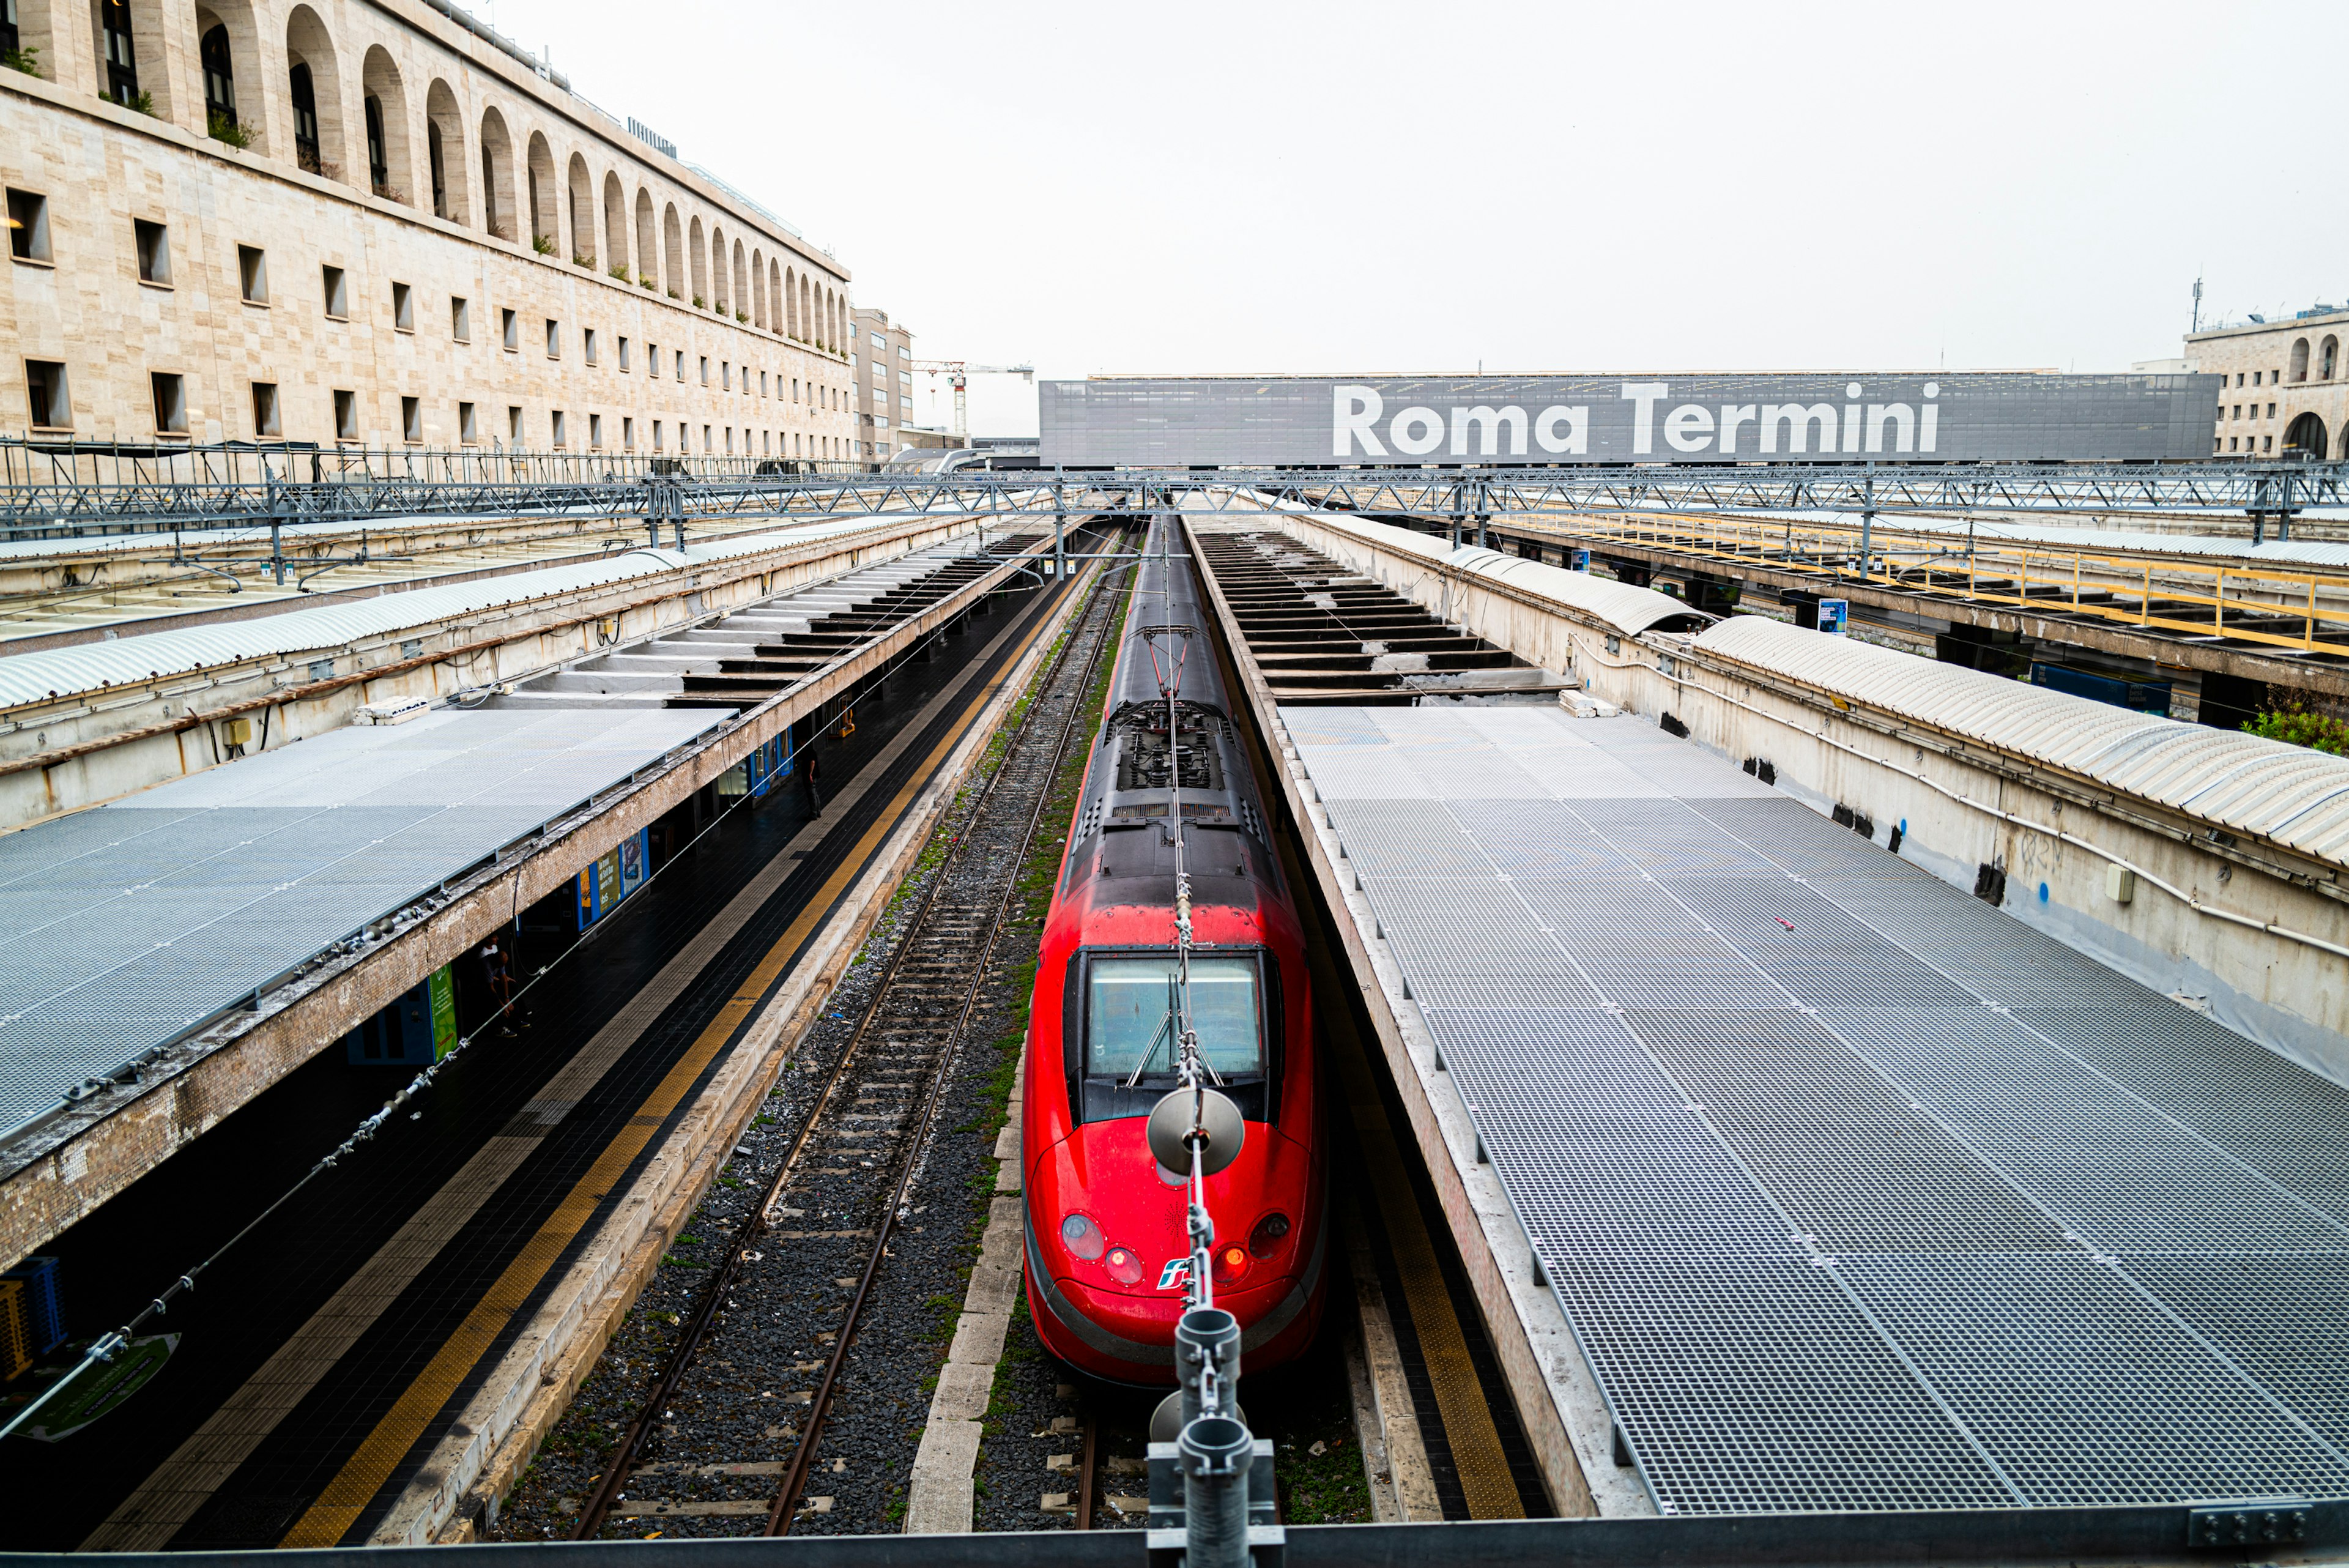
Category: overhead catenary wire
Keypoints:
(106, 1345)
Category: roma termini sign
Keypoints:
(1966, 418)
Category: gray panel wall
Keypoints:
(1707, 419)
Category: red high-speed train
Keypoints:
(1108, 1254)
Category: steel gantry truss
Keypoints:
(76, 504)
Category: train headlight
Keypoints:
(1271, 1233)
(1083, 1237)
(1123, 1266)
(1231, 1264)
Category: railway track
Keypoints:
(733, 1435)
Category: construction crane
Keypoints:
(958, 373)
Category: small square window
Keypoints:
(657, 435)
(467, 432)
(2272, 408)
(29, 225)
(554, 339)
(587, 343)
(265, 409)
(253, 275)
(726, 374)
(707, 445)
(338, 305)
(2266, 443)
(510, 328)
(705, 369)
(628, 433)
(623, 355)
(596, 430)
(763, 383)
(346, 416)
(171, 403)
(795, 389)
(403, 308)
(45, 388)
(461, 319)
(513, 424)
(555, 421)
(680, 364)
(2255, 378)
(411, 419)
(154, 251)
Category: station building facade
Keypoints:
(2287, 384)
(379, 223)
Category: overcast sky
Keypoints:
(1267, 187)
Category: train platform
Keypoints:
(1855, 1192)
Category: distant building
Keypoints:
(882, 358)
(2287, 384)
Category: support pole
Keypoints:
(1060, 522)
(1867, 522)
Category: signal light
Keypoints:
(1269, 1233)
(1231, 1265)
(1083, 1237)
(1123, 1266)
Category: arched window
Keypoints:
(220, 80)
(444, 144)
(791, 305)
(741, 281)
(672, 252)
(758, 290)
(315, 90)
(2305, 435)
(378, 169)
(583, 212)
(775, 294)
(647, 241)
(497, 176)
(306, 119)
(118, 53)
(545, 224)
(386, 125)
(719, 298)
(700, 263)
(2326, 358)
(615, 226)
(2300, 359)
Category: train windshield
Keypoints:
(1129, 1009)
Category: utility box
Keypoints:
(416, 1031)
(2120, 884)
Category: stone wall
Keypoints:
(619, 240)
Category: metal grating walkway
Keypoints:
(124, 927)
(1859, 1193)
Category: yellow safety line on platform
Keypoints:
(347, 1496)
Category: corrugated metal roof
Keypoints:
(1630, 610)
(2289, 794)
(89, 667)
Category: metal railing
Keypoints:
(66, 488)
(2303, 610)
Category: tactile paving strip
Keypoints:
(1858, 1192)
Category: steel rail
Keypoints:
(754, 1225)
(780, 1516)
